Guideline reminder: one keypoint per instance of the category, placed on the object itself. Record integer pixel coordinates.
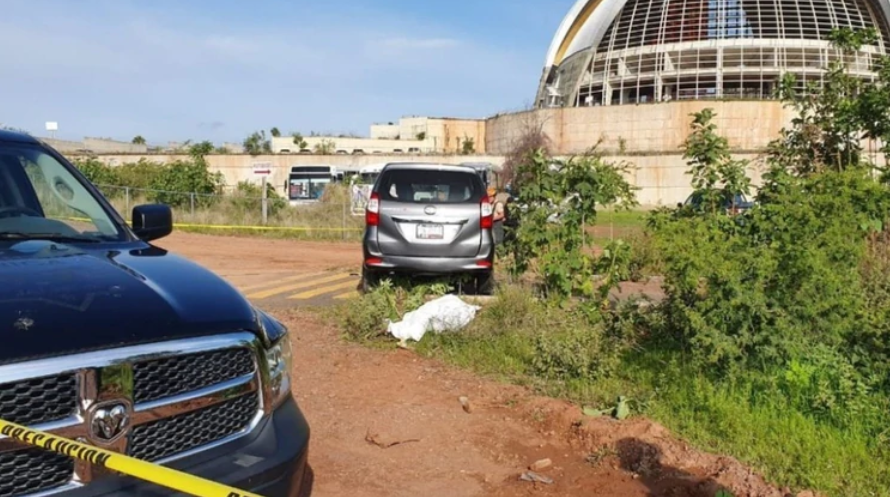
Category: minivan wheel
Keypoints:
(369, 281)
(484, 284)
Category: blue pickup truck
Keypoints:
(120, 344)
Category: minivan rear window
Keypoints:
(430, 187)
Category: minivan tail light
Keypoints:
(487, 213)
(372, 212)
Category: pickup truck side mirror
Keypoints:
(152, 221)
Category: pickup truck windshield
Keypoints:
(40, 198)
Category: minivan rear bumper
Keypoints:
(377, 262)
(427, 265)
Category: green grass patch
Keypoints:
(621, 219)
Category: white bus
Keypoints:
(306, 184)
(368, 174)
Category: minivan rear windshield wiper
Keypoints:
(52, 237)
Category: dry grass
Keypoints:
(330, 219)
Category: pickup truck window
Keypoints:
(41, 198)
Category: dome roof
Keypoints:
(623, 32)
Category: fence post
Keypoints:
(265, 203)
(192, 200)
(127, 201)
(344, 222)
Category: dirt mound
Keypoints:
(668, 466)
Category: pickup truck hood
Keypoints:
(58, 299)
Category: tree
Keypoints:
(560, 200)
(139, 140)
(832, 120)
(201, 149)
(275, 133)
(714, 172)
(421, 136)
(299, 141)
(531, 139)
(257, 144)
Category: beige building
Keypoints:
(411, 135)
(328, 145)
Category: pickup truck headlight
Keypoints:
(278, 366)
(275, 361)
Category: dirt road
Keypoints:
(360, 401)
(273, 273)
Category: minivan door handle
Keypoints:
(424, 221)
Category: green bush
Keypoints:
(366, 318)
(572, 191)
(248, 197)
(183, 183)
(97, 172)
(582, 352)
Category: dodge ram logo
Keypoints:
(109, 422)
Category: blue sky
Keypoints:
(219, 69)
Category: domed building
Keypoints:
(618, 52)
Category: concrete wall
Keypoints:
(645, 128)
(662, 179)
(96, 145)
(409, 127)
(386, 131)
(449, 134)
(101, 145)
(237, 168)
(64, 146)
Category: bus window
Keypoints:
(308, 183)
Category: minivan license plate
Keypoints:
(430, 231)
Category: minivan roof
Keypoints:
(427, 165)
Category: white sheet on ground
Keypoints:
(448, 313)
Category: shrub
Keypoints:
(249, 197)
(558, 201)
(181, 183)
(577, 352)
(96, 171)
(366, 318)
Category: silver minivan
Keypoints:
(429, 220)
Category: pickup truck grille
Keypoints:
(179, 374)
(28, 471)
(183, 397)
(171, 436)
(38, 400)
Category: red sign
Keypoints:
(262, 169)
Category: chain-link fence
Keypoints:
(233, 211)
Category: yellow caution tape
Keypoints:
(159, 475)
(261, 228)
(235, 227)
